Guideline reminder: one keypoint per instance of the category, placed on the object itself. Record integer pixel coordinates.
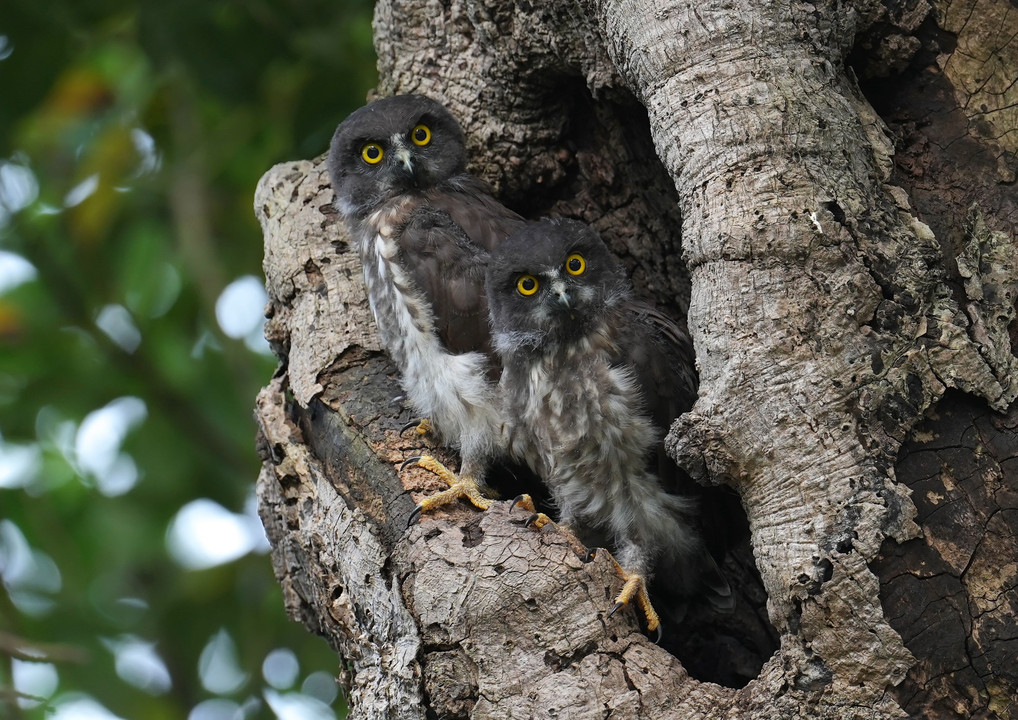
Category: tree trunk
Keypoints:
(727, 153)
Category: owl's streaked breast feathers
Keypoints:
(424, 229)
(595, 377)
(590, 377)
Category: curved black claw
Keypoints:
(410, 461)
(516, 500)
(414, 516)
(532, 519)
(615, 608)
(411, 424)
(657, 640)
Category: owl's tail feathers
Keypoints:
(716, 589)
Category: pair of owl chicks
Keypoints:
(522, 340)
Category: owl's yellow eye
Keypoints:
(526, 285)
(575, 264)
(421, 135)
(372, 153)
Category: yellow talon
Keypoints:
(421, 427)
(635, 587)
(429, 463)
(524, 501)
(459, 487)
(539, 520)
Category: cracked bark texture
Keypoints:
(837, 292)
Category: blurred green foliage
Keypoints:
(131, 139)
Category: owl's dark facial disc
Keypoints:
(551, 282)
(393, 146)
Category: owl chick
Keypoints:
(424, 229)
(593, 378)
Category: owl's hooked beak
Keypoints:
(559, 288)
(403, 156)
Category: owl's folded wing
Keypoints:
(449, 270)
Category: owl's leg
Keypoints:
(460, 486)
(539, 520)
(635, 587)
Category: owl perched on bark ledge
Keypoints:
(592, 379)
(424, 229)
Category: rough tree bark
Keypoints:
(836, 294)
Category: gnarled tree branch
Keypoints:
(825, 319)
